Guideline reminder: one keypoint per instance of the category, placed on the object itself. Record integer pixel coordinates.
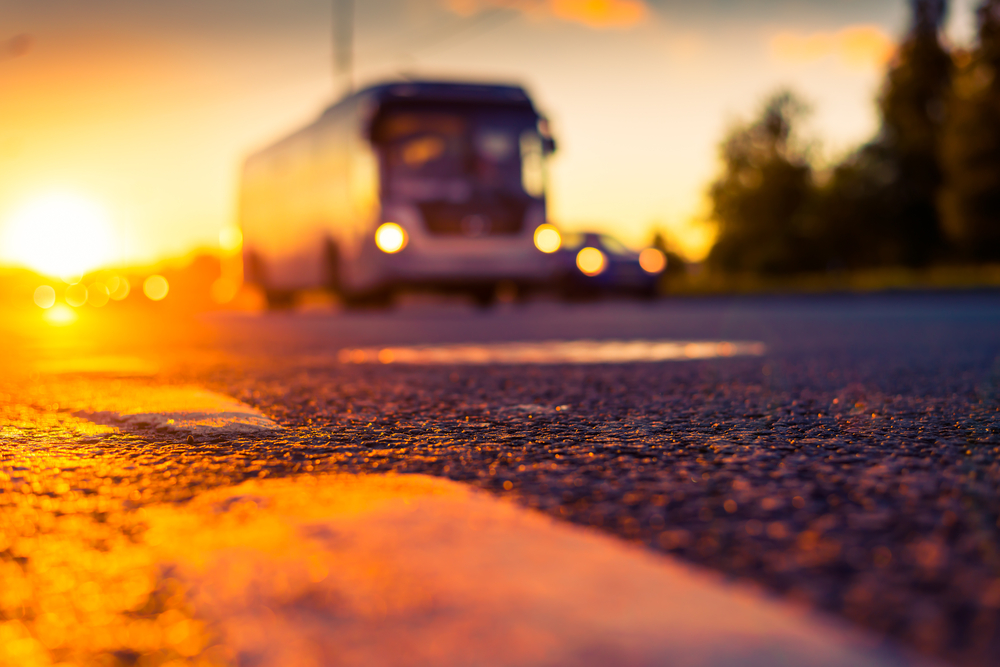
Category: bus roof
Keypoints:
(426, 92)
(443, 91)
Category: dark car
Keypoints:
(591, 264)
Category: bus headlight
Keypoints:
(591, 261)
(390, 237)
(547, 238)
(652, 260)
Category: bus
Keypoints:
(415, 185)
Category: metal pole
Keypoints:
(343, 44)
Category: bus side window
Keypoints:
(364, 182)
(532, 164)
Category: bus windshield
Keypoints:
(444, 154)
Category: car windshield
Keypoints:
(614, 246)
(573, 240)
(433, 154)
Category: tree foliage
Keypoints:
(676, 265)
(759, 199)
(878, 206)
(970, 201)
(913, 106)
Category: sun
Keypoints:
(58, 234)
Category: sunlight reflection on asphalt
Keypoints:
(414, 570)
(783, 471)
(332, 569)
(553, 352)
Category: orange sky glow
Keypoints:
(146, 116)
(593, 13)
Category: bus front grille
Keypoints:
(449, 219)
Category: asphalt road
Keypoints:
(852, 467)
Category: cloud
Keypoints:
(16, 46)
(593, 13)
(857, 46)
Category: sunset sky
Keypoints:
(145, 109)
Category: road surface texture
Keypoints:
(846, 462)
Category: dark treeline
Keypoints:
(925, 190)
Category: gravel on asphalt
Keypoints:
(853, 468)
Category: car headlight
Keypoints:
(390, 237)
(652, 260)
(591, 261)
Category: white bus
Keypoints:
(412, 185)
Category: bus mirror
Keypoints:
(548, 145)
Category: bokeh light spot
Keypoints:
(45, 297)
(98, 295)
(390, 237)
(76, 295)
(119, 288)
(590, 261)
(224, 290)
(547, 238)
(156, 287)
(652, 260)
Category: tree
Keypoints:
(913, 104)
(855, 224)
(676, 266)
(759, 201)
(879, 206)
(970, 202)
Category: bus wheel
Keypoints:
(332, 266)
(649, 293)
(377, 299)
(279, 299)
(484, 297)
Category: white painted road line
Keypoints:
(181, 409)
(414, 570)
